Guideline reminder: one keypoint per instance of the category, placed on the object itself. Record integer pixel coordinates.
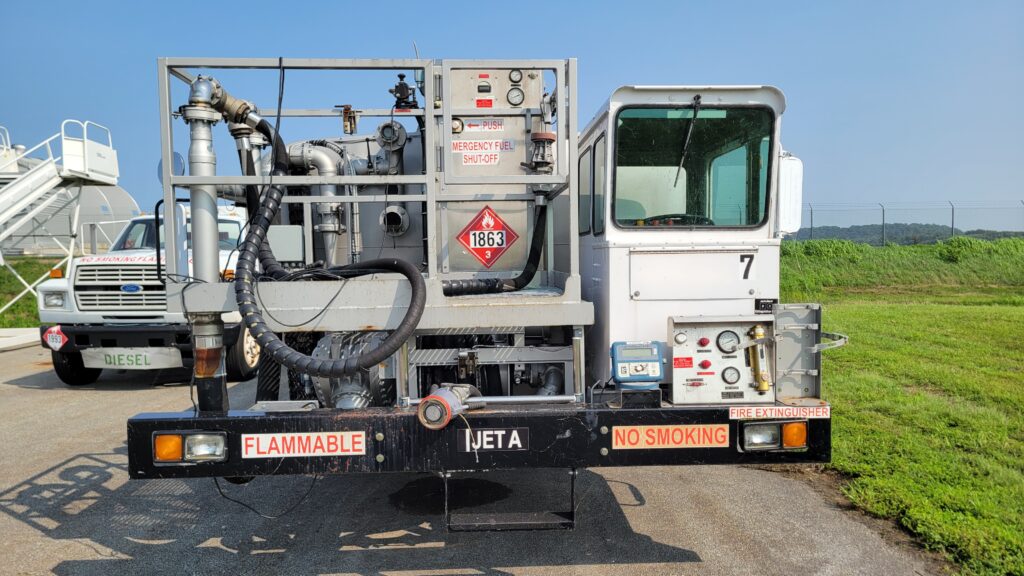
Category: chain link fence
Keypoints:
(911, 223)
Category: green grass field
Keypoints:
(928, 398)
(23, 314)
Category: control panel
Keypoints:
(638, 365)
(721, 360)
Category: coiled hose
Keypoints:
(245, 278)
(492, 285)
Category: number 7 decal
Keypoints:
(749, 260)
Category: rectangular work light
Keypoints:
(205, 448)
(184, 447)
(774, 435)
(758, 436)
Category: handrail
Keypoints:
(85, 131)
(98, 227)
(49, 152)
(85, 138)
(63, 135)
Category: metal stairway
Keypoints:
(37, 183)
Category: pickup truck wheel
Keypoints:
(243, 358)
(71, 370)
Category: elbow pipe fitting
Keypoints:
(552, 382)
(207, 91)
(307, 155)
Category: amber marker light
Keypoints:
(794, 435)
(56, 273)
(167, 448)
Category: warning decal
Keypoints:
(482, 152)
(487, 237)
(682, 362)
(55, 338)
(484, 125)
(670, 436)
(293, 444)
(759, 412)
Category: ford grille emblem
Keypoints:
(131, 288)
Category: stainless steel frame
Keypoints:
(376, 303)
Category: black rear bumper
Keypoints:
(82, 336)
(560, 436)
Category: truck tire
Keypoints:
(243, 358)
(71, 370)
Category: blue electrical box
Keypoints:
(638, 365)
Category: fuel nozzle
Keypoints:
(759, 361)
(543, 140)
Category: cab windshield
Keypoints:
(724, 176)
(141, 235)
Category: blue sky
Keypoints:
(888, 101)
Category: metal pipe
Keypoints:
(325, 161)
(207, 329)
(560, 399)
(355, 237)
(578, 371)
(203, 162)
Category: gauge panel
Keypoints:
(708, 364)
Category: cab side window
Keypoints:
(600, 165)
(585, 192)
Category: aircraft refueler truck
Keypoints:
(488, 284)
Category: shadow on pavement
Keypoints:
(359, 524)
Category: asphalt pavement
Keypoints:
(69, 508)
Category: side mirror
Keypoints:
(791, 193)
(177, 167)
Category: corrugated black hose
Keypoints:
(492, 285)
(245, 296)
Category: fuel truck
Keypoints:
(484, 283)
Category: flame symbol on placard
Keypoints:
(487, 222)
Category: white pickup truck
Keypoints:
(111, 309)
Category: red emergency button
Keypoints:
(705, 364)
(704, 342)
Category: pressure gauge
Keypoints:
(515, 76)
(731, 375)
(728, 341)
(516, 96)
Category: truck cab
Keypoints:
(109, 311)
(685, 195)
